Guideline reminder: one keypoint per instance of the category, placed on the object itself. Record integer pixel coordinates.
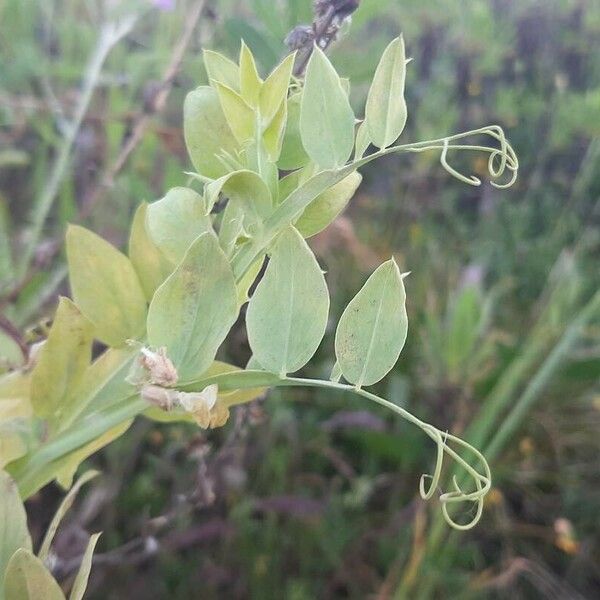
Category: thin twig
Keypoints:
(107, 179)
(110, 35)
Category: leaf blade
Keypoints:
(326, 117)
(287, 314)
(385, 111)
(193, 310)
(373, 328)
(105, 287)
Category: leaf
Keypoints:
(61, 364)
(250, 82)
(222, 69)
(273, 135)
(385, 111)
(105, 287)
(362, 141)
(274, 90)
(246, 190)
(243, 287)
(150, 264)
(175, 221)
(293, 155)
(206, 131)
(15, 416)
(372, 330)
(239, 114)
(81, 580)
(28, 579)
(13, 524)
(324, 209)
(232, 227)
(64, 469)
(287, 314)
(62, 510)
(194, 309)
(326, 117)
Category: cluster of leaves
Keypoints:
(164, 310)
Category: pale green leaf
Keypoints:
(13, 524)
(149, 262)
(326, 117)
(175, 221)
(274, 90)
(194, 309)
(231, 228)
(372, 330)
(273, 135)
(28, 579)
(385, 111)
(105, 287)
(362, 141)
(222, 69)
(246, 190)
(293, 155)
(62, 510)
(250, 82)
(327, 206)
(206, 131)
(245, 283)
(61, 364)
(287, 314)
(81, 580)
(239, 114)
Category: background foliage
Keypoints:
(305, 494)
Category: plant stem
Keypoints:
(110, 34)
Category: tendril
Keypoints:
(502, 160)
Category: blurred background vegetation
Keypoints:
(312, 495)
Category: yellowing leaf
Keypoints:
(81, 579)
(372, 330)
(239, 115)
(293, 155)
(15, 416)
(28, 579)
(250, 82)
(64, 469)
(61, 364)
(326, 117)
(175, 221)
(287, 314)
(327, 206)
(13, 524)
(151, 265)
(220, 68)
(206, 131)
(105, 287)
(385, 111)
(193, 310)
(274, 90)
(63, 508)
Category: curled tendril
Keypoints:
(482, 482)
(499, 161)
(502, 159)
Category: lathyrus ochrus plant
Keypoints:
(285, 154)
